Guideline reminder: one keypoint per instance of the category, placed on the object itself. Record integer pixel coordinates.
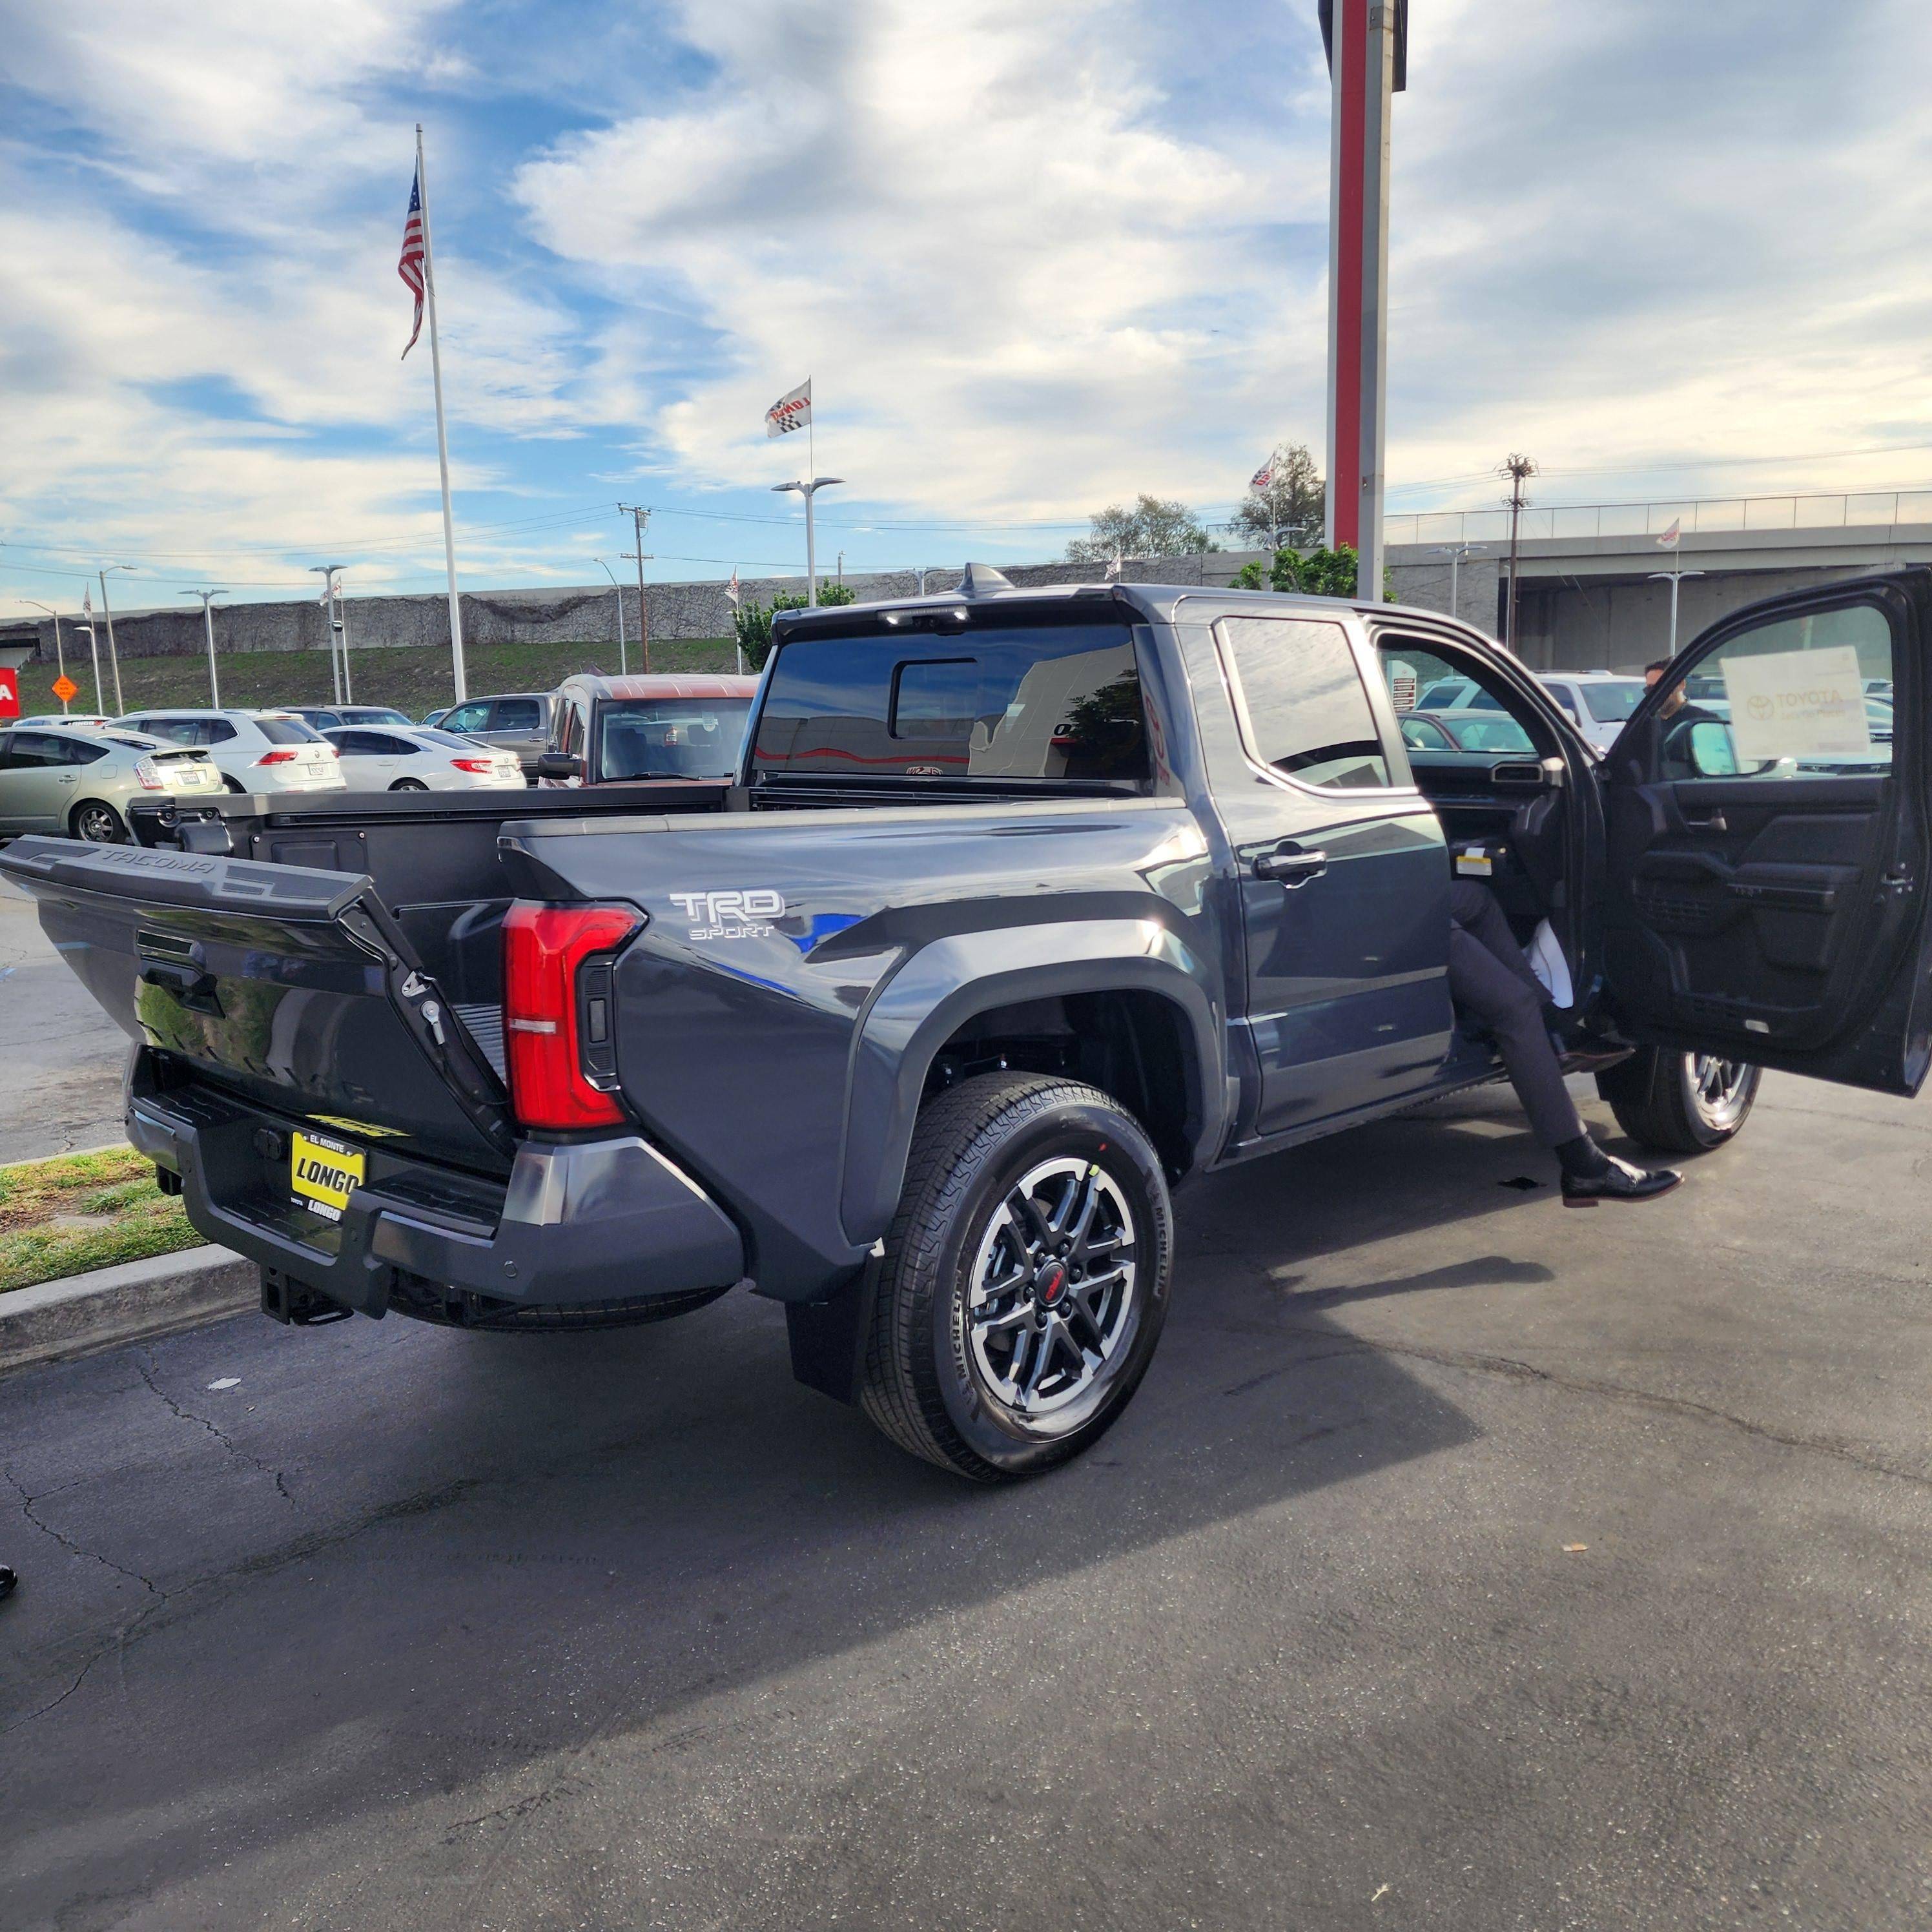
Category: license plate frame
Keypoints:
(323, 1173)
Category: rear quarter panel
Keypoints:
(799, 970)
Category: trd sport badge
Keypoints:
(744, 913)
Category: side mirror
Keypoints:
(1712, 753)
(559, 765)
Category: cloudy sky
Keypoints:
(1036, 254)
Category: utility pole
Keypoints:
(1673, 578)
(808, 491)
(640, 516)
(208, 623)
(623, 666)
(1518, 469)
(60, 656)
(113, 655)
(1367, 43)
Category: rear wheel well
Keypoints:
(1132, 1044)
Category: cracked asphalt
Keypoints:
(1463, 1563)
(63, 1056)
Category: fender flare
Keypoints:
(946, 982)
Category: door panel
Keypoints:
(1344, 883)
(1766, 841)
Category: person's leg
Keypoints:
(1513, 1011)
(1478, 911)
(1484, 986)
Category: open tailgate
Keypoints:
(292, 988)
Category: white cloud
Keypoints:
(1022, 279)
(1006, 278)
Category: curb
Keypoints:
(59, 1319)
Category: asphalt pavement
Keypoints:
(60, 1057)
(1463, 1562)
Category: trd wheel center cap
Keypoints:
(1050, 1284)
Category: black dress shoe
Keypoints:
(1618, 1181)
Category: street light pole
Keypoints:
(60, 656)
(809, 491)
(1673, 577)
(113, 655)
(341, 623)
(1456, 554)
(640, 516)
(93, 652)
(623, 667)
(208, 623)
(337, 672)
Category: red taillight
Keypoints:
(483, 766)
(543, 946)
(277, 757)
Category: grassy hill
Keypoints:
(413, 681)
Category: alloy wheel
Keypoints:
(1051, 1297)
(1719, 1089)
(97, 825)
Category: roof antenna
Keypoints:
(982, 580)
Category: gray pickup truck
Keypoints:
(1026, 906)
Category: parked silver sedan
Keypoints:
(80, 782)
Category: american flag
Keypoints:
(1262, 477)
(410, 267)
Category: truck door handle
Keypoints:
(1290, 869)
(1717, 822)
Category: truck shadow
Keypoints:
(484, 1554)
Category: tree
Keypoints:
(1321, 573)
(1155, 526)
(752, 623)
(1290, 505)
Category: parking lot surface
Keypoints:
(1463, 1562)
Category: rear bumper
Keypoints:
(584, 1225)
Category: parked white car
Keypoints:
(254, 751)
(415, 757)
(80, 720)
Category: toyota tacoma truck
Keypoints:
(1025, 906)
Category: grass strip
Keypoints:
(78, 1211)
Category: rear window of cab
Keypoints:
(1045, 701)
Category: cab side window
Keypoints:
(518, 714)
(1785, 699)
(1304, 712)
(466, 717)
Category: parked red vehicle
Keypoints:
(623, 730)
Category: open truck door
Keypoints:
(1766, 890)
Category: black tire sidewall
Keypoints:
(1085, 1129)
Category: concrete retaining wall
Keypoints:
(589, 614)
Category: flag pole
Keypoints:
(441, 435)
